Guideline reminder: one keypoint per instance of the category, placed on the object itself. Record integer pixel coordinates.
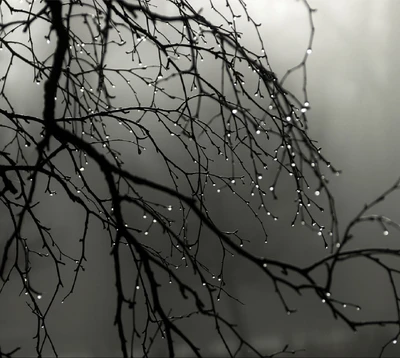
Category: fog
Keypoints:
(353, 93)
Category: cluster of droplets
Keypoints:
(328, 297)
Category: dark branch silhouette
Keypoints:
(237, 130)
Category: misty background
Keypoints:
(353, 92)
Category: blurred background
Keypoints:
(354, 99)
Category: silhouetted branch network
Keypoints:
(237, 129)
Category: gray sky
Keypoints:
(352, 84)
